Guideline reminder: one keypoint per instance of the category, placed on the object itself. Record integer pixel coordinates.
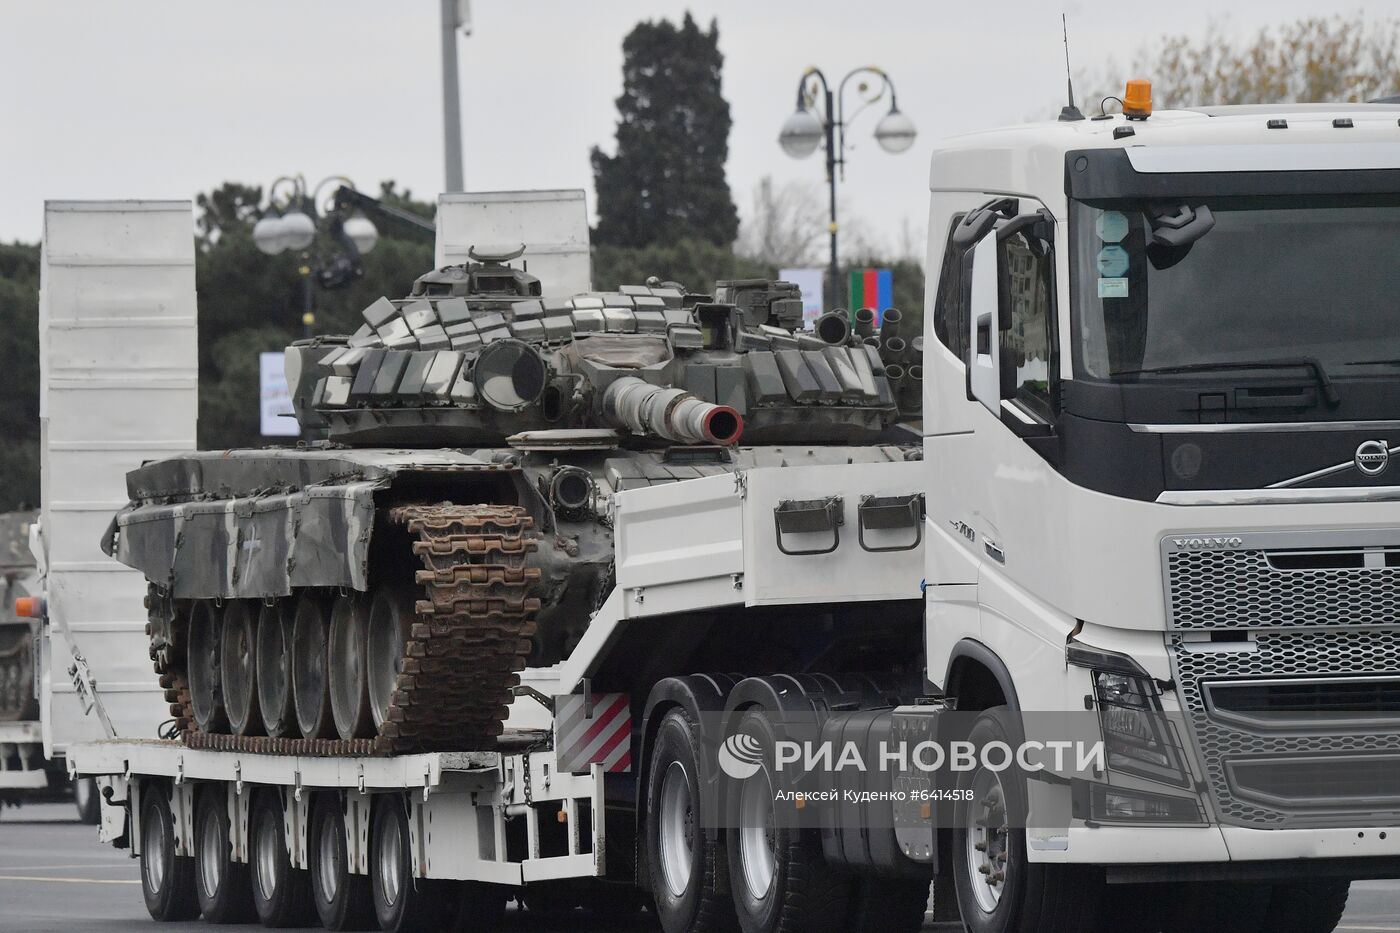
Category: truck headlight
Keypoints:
(1138, 738)
(1119, 805)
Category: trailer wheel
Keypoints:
(1307, 906)
(1011, 895)
(311, 692)
(349, 642)
(238, 656)
(87, 800)
(281, 894)
(274, 674)
(224, 886)
(403, 903)
(780, 878)
(686, 861)
(343, 900)
(206, 685)
(167, 880)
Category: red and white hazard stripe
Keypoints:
(596, 729)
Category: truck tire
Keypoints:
(686, 862)
(223, 885)
(87, 800)
(1307, 906)
(343, 900)
(1013, 896)
(167, 879)
(1198, 907)
(403, 903)
(779, 877)
(281, 893)
(888, 905)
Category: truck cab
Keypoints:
(1160, 402)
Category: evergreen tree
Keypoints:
(666, 182)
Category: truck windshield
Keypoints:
(1248, 280)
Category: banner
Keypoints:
(871, 288)
(276, 419)
(810, 281)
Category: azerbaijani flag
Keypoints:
(871, 288)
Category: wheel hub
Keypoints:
(988, 835)
(677, 829)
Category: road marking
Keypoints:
(1368, 929)
(66, 880)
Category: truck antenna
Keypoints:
(1071, 112)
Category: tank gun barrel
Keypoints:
(673, 414)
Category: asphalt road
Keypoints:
(55, 877)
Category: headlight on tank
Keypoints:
(509, 375)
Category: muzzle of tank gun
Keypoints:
(669, 413)
(833, 327)
(865, 322)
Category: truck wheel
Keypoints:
(167, 880)
(87, 800)
(888, 905)
(998, 890)
(274, 677)
(310, 686)
(685, 860)
(403, 903)
(1307, 906)
(224, 886)
(281, 894)
(206, 687)
(238, 667)
(349, 687)
(342, 898)
(780, 878)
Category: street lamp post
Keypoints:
(290, 223)
(805, 130)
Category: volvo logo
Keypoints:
(1205, 544)
(1372, 457)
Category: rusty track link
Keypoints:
(470, 638)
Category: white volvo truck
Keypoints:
(1159, 393)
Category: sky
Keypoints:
(166, 98)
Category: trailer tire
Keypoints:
(87, 800)
(888, 905)
(690, 885)
(1307, 906)
(780, 878)
(343, 900)
(281, 893)
(224, 886)
(1036, 898)
(403, 903)
(167, 879)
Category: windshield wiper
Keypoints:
(1324, 382)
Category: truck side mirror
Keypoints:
(984, 371)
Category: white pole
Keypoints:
(451, 104)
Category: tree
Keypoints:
(1332, 59)
(787, 226)
(19, 361)
(666, 183)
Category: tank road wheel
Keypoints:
(686, 862)
(281, 893)
(274, 676)
(402, 902)
(310, 686)
(390, 623)
(343, 900)
(238, 667)
(206, 687)
(167, 880)
(224, 886)
(349, 687)
(780, 878)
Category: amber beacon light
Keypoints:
(1137, 99)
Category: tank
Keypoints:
(446, 521)
(18, 701)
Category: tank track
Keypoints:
(461, 661)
